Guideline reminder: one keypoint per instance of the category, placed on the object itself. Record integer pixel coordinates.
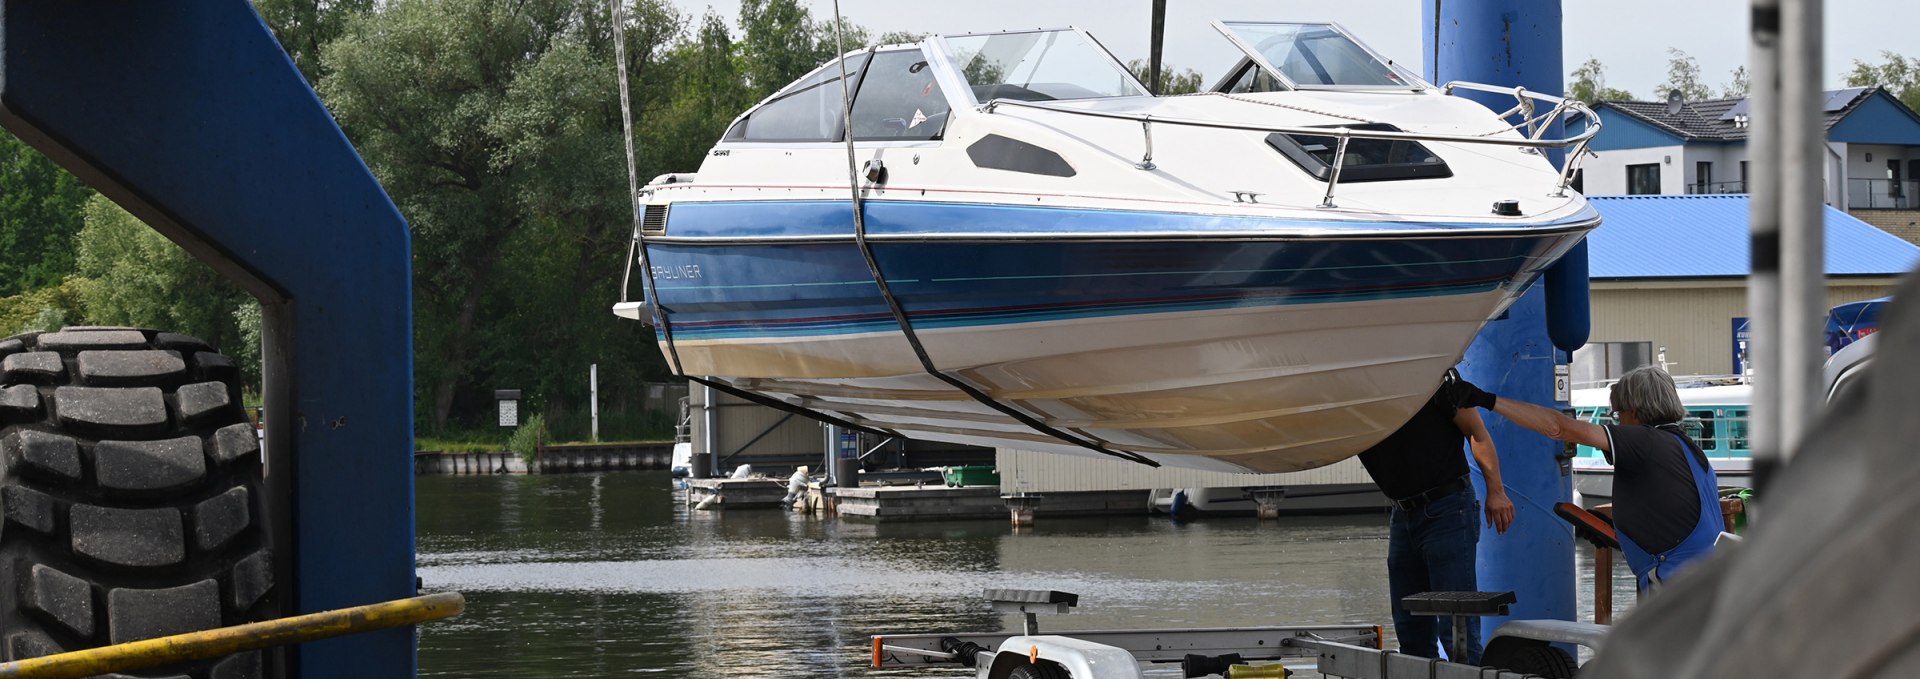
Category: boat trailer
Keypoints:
(1349, 651)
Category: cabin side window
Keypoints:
(899, 100)
(808, 110)
(1699, 426)
(1737, 429)
(1365, 160)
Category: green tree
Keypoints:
(48, 308)
(1589, 84)
(494, 125)
(1683, 75)
(131, 275)
(1738, 86)
(780, 42)
(1172, 80)
(1899, 75)
(39, 214)
(305, 26)
(709, 91)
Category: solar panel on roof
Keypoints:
(1738, 110)
(1838, 99)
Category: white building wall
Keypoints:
(1023, 471)
(1858, 167)
(1606, 173)
(1693, 155)
(1694, 319)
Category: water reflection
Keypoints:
(604, 574)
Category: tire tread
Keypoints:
(129, 497)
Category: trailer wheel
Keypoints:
(130, 484)
(1528, 656)
(1044, 670)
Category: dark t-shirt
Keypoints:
(1426, 451)
(1654, 500)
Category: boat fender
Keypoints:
(708, 502)
(1569, 303)
(796, 486)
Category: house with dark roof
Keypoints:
(1670, 273)
(1700, 147)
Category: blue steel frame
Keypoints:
(190, 116)
(1518, 42)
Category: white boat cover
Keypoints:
(1828, 582)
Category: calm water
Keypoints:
(609, 574)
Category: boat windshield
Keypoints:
(1039, 66)
(1312, 56)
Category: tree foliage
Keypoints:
(305, 26)
(1738, 85)
(1898, 74)
(129, 274)
(39, 215)
(1589, 84)
(1683, 76)
(1172, 80)
(780, 42)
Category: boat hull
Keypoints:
(1226, 351)
(1594, 482)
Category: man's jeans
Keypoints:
(1431, 549)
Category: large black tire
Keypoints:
(130, 480)
(1528, 656)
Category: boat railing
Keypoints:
(1531, 125)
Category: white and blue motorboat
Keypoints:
(1268, 276)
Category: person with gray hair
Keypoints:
(1666, 497)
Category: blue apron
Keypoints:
(1650, 568)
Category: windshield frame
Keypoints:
(944, 53)
(1413, 81)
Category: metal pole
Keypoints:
(1802, 230)
(213, 643)
(1763, 284)
(708, 435)
(593, 398)
(1157, 39)
(1514, 43)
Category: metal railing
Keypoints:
(213, 643)
(1882, 194)
(1716, 188)
(1531, 124)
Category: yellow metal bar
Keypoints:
(213, 643)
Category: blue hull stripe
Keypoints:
(790, 218)
(761, 290)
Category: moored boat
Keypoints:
(1269, 276)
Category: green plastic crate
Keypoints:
(972, 475)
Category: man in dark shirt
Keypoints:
(1666, 499)
(1435, 528)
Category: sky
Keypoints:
(1630, 37)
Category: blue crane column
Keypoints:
(1517, 42)
(190, 116)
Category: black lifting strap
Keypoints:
(926, 363)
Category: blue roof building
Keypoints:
(1671, 271)
(1700, 147)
